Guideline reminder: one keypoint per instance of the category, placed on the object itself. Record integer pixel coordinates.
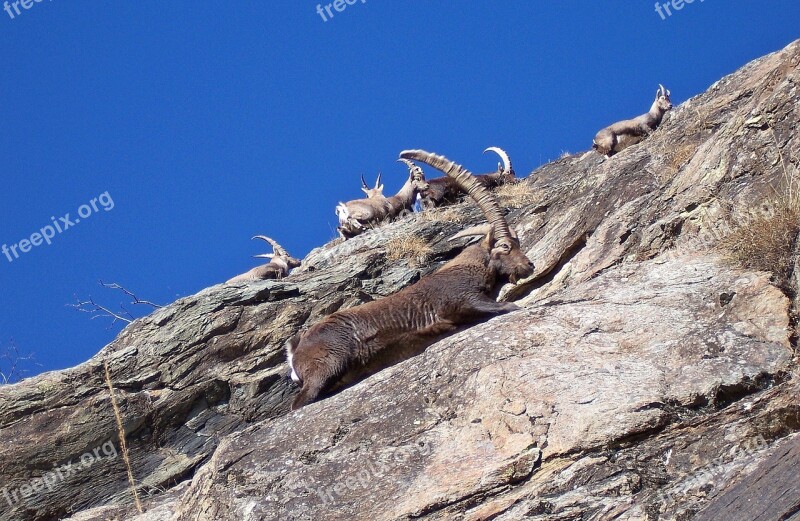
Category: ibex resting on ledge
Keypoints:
(277, 268)
(444, 190)
(621, 135)
(350, 344)
(356, 216)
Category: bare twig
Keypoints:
(10, 359)
(122, 444)
(136, 300)
(99, 311)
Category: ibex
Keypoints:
(445, 190)
(350, 344)
(372, 193)
(621, 135)
(277, 268)
(356, 216)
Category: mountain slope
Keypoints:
(647, 377)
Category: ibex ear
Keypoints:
(488, 241)
(365, 190)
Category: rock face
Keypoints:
(646, 377)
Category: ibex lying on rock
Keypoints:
(621, 135)
(356, 216)
(350, 344)
(444, 190)
(277, 268)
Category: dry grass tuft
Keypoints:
(122, 444)
(767, 241)
(410, 248)
(516, 195)
(449, 214)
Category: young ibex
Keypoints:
(445, 190)
(277, 268)
(372, 193)
(621, 135)
(350, 344)
(356, 216)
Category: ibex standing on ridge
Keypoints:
(349, 344)
(444, 190)
(621, 135)
(356, 216)
(277, 268)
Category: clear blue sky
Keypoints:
(210, 122)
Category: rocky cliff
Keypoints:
(651, 373)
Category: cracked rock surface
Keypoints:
(645, 378)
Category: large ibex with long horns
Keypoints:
(347, 345)
(356, 216)
(278, 267)
(444, 190)
(622, 134)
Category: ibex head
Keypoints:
(506, 171)
(278, 253)
(372, 192)
(415, 176)
(506, 259)
(662, 99)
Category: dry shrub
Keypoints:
(516, 195)
(767, 241)
(408, 247)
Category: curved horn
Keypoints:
(275, 246)
(474, 189)
(481, 229)
(663, 91)
(378, 181)
(364, 183)
(503, 155)
(413, 168)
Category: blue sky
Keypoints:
(209, 122)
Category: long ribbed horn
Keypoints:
(474, 189)
(663, 91)
(275, 246)
(503, 155)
